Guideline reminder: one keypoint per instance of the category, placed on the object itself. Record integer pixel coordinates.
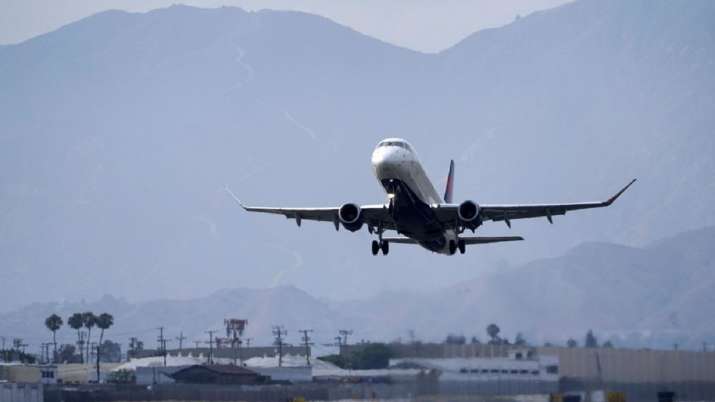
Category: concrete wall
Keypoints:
(21, 392)
(20, 373)
(625, 365)
(635, 366)
(83, 373)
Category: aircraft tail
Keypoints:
(450, 184)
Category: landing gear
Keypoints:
(385, 247)
(462, 246)
(380, 246)
(452, 247)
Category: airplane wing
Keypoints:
(507, 212)
(373, 215)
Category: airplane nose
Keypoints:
(385, 162)
(382, 156)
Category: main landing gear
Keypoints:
(381, 245)
(459, 244)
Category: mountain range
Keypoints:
(118, 133)
(652, 296)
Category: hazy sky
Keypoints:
(426, 25)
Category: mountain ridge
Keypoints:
(547, 300)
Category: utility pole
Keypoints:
(211, 345)
(234, 331)
(44, 354)
(181, 338)
(279, 332)
(197, 343)
(47, 353)
(307, 344)
(92, 351)
(248, 342)
(19, 345)
(162, 344)
(344, 334)
(2, 338)
(80, 345)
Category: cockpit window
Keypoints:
(400, 144)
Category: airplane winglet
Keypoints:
(618, 194)
(230, 193)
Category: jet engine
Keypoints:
(350, 216)
(468, 212)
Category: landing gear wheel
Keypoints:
(462, 246)
(385, 247)
(452, 247)
(375, 247)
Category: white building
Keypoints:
(520, 365)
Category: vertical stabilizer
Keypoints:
(450, 184)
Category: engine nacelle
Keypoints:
(350, 216)
(468, 211)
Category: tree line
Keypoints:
(493, 331)
(77, 321)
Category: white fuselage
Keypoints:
(396, 160)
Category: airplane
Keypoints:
(415, 210)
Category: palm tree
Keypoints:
(493, 332)
(77, 322)
(104, 321)
(89, 320)
(54, 323)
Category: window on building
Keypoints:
(553, 369)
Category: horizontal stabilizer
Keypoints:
(400, 240)
(467, 240)
(484, 240)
